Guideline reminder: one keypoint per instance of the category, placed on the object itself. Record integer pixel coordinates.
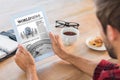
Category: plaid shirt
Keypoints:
(106, 71)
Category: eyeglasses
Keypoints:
(61, 24)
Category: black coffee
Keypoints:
(69, 33)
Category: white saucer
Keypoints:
(102, 48)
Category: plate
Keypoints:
(102, 48)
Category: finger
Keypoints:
(19, 54)
(22, 49)
(18, 50)
(52, 37)
(59, 41)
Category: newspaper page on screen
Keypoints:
(31, 29)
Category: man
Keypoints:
(109, 23)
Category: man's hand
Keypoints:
(26, 62)
(58, 47)
(77, 61)
(24, 59)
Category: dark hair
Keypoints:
(108, 13)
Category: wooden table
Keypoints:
(53, 68)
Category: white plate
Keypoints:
(102, 48)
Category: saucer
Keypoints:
(102, 48)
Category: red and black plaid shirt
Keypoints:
(107, 71)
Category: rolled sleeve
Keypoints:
(102, 67)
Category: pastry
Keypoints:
(97, 42)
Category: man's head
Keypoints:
(108, 14)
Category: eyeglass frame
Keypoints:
(66, 24)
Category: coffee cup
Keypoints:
(69, 35)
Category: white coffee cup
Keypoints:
(69, 35)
